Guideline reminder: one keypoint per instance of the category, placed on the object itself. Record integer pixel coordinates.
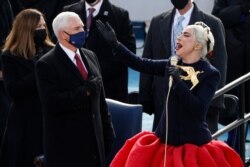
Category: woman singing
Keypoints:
(182, 137)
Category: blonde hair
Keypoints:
(204, 36)
(20, 40)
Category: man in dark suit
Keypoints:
(160, 45)
(114, 73)
(235, 15)
(78, 128)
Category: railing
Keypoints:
(242, 118)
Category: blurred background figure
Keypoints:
(235, 15)
(160, 44)
(49, 8)
(26, 43)
(114, 73)
(6, 18)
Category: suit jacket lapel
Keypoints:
(197, 15)
(104, 12)
(165, 30)
(62, 56)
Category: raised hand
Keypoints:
(108, 33)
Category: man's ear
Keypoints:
(63, 35)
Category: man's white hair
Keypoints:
(61, 21)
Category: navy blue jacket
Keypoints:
(187, 109)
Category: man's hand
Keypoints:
(108, 33)
(93, 85)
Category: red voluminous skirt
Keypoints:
(146, 150)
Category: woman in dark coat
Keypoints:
(26, 43)
(182, 137)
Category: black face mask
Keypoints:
(179, 4)
(90, 1)
(39, 36)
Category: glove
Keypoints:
(175, 73)
(93, 85)
(245, 8)
(108, 33)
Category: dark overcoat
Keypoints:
(25, 125)
(78, 128)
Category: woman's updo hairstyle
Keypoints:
(205, 37)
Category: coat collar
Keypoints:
(62, 56)
(197, 15)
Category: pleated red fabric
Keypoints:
(146, 150)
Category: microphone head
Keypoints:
(174, 60)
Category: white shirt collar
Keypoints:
(97, 8)
(187, 16)
(70, 53)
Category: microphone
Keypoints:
(173, 61)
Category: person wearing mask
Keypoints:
(114, 73)
(182, 137)
(27, 41)
(78, 129)
(160, 44)
(235, 16)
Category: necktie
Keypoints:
(177, 31)
(80, 66)
(90, 17)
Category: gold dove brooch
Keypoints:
(191, 75)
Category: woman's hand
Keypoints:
(108, 33)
